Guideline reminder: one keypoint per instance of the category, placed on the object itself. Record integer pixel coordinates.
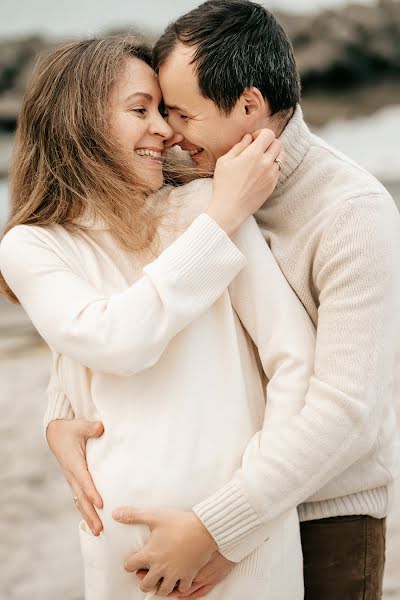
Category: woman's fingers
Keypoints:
(86, 508)
(84, 480)
(238, 148)
(85, 430)
(200, 593)
(67, 440)
(273, 150)
(274, 159)
(262, 141)
(91, 429)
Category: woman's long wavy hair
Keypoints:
(65, 162)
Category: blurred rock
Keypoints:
(347, 47)
(17, 59)
(342, 52)
(6, 143)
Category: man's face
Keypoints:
(207, 132)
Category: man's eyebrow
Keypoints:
(142, 94)
(174, 107)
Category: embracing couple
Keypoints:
(223, 386)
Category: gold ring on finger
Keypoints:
(279, 163)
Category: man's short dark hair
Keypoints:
(238, 44)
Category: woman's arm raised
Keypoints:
(125, 332)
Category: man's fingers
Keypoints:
(137, 562)
(134, 516)
(185, 585)
(141, 573)
(166, 587)
(150, 582)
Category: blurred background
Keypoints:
(349, 59)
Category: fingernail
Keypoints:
(247, 137)
(117, 514)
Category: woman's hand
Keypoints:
(67, 441)
(244, 178)
(179, 546)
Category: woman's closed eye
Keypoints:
(141, 110)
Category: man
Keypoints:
(227, 68)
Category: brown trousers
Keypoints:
(344, 558)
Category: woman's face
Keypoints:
(137, 123)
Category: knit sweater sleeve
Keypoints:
(358, 289)
(125, 332)
(58, 404)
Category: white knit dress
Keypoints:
(164, 356)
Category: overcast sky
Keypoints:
(81, 17)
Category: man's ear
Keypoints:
(254, 105)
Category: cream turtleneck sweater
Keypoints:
(335, 233)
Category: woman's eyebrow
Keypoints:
(145, 95)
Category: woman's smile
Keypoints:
(152, 156)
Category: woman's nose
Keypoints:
(161, 128)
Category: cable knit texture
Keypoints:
(335, 232)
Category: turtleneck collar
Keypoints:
(296, 140)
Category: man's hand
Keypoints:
(67, 441)
(206, 579)
(178, 548)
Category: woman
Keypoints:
(155, 348)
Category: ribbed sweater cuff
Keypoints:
(58, 407)
(203, 259)
(375, 503)
(232, 521)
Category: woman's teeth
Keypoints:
(195, 151)
(145, 152)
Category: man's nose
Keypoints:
(177, 138)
